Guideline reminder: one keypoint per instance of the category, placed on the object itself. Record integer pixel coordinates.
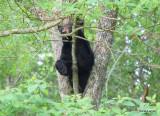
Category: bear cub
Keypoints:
(84, 56)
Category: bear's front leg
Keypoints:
(61, 67)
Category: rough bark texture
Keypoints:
(102, 54)
(63, 83)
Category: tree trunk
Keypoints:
(102, 53)
(63, 84)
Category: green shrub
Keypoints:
(30, 98)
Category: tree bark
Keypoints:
(63, 84)
(102, 53)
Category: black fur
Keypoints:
(84, 55)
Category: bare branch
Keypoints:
(30, 30)
(8, 57)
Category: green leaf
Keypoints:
(44, 114)
(32, 88)
(124, 110)
(116, 110)
(2, 106)
(45, 92)
(134, 113)
(128, 103)
(42, 86)
(154, 97)
(34, 78)
(137, 101)
(131, 4)
(148, 98)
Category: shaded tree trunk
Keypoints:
(102, 53)
(63, 84)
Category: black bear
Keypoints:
(84, 56)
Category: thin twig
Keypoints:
(113, 67)
(26, 67)
(8, 57)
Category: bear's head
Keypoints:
(66, 29)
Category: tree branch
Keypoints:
(31, 29)
(102, 53)
(74, 60)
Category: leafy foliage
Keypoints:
(31, 98)
(136, 36)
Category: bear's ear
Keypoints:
(60, 28)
